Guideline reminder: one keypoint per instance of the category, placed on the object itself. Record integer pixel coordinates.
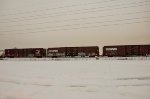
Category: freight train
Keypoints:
(83, 51)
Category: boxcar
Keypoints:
(126, 50)
(27, 52)
(90, 51)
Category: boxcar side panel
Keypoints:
(56, 52)
(72, 51)
(132, 50)
(144, 50)
(90, 51)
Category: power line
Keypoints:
(89, 23)
(60, 7)
(102, 7)
(75, 19)
(118, 8)
(96, 26)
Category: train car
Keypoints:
(126, 50)
(56, 52)
(27, 52)
(89, 51)
(121, 50)
(145, 50)
(111, 51)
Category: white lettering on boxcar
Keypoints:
(50, 51)
(111, 49)
(37, 52)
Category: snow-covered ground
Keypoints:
(80, 79)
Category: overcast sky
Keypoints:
(56, 23)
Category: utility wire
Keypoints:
(76, 24)
(77, 19)
(116, 7)
(60, 7)
(57, 29)
(85, 27)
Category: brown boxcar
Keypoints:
(126, 50)
(90, 51)
(56, 52)
(144, 50)
(27, 52)
(114, 51)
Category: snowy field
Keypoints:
(80, 79)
